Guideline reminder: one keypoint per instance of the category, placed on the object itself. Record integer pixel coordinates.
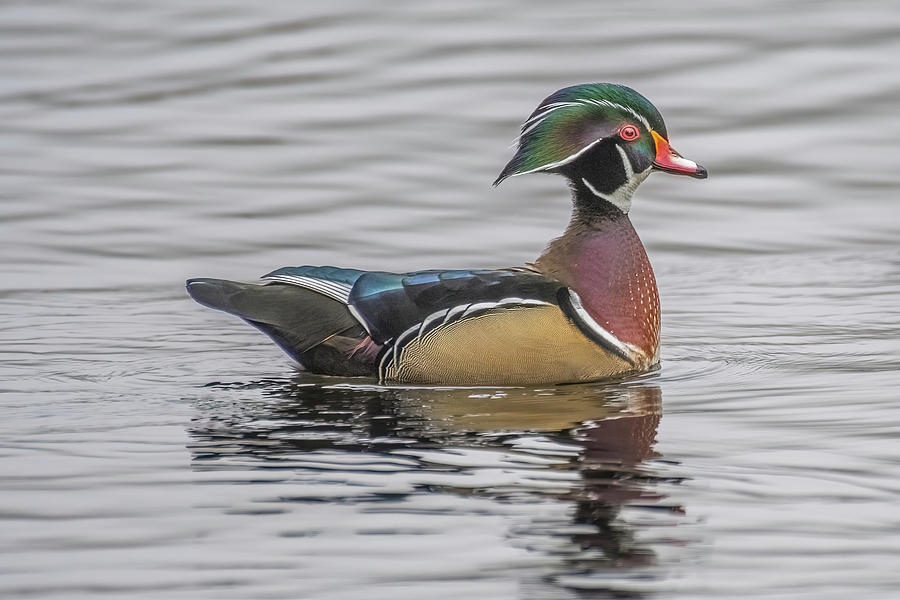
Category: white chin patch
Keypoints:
(621, 196)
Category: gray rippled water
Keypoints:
(151, 448)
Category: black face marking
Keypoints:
(640, 155)
(601, 166)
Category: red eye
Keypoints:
(629, 132)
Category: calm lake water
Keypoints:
(151, 448)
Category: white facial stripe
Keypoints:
(627, 109)
(539, 118)
(562, 162)
(626, 162)
(621, 197)
(616, 198)
(549, 108)
(597, 192)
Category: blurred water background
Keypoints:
(151, 448)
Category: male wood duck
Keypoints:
(586, 309)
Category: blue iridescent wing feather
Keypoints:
(335, 274)
(390, 303)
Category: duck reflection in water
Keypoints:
(590, 445)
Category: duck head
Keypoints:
(605, 138)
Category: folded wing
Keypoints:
(440, 326)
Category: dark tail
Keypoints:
(317, 331)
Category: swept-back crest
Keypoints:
(572, 120)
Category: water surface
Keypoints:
(152, 448)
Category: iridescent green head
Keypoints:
(604, 137)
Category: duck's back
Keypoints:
(462, 327)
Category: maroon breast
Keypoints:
(608, 268)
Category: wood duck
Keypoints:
(586, 309)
